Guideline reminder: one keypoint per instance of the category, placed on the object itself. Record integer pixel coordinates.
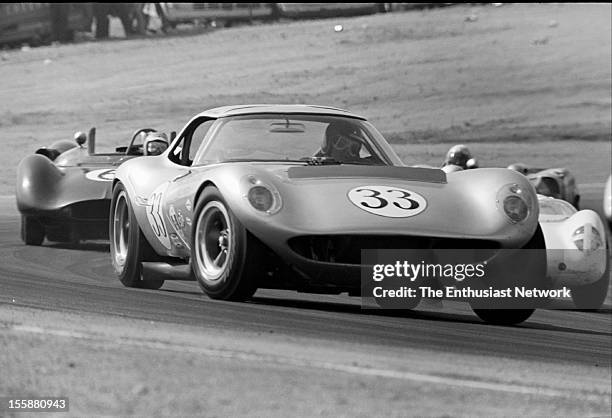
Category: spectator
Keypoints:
(121, 10)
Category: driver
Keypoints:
(520, 167)
(460, 156)
(155, 143)
(342, 142)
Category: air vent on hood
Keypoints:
(427, 175)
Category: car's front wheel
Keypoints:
(127, 244)
(32, 231)
(536, 249)
(225, 257)
(504, 316)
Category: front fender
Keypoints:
(44, 187)
(576, 248)
(37, 183)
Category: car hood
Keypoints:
(317, 200)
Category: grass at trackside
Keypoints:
(520, 82)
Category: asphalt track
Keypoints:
(79, 280)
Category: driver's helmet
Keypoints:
(342, 141)
(157, 135)
(520, 167)
(458, 155)
(153, 143)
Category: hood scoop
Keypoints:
(426, 175)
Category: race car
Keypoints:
(287, 196)
(576, 249)
(607, 202)
(559, 183)
(63, 191)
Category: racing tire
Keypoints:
(63, 234)
(514, 316)
(592, 296)
(226, 258)
(32, 231)
(504, 316)
(128, 246)
(576, 203)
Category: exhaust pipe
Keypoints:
(167, 271)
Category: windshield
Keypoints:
(318, 138)
(551, 206)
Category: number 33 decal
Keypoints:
(392, 202)
(155, 215)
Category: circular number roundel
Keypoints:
(389, 201)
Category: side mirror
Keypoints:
(80, 138)
(172, 135)
(471, 163)
(155, 146)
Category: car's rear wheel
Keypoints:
(225, 257)
(32, 231)
(592, 296)
(127, 244)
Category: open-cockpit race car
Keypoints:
(63, 191)
(607, 202)
(576, 249)
(559, 183)
(287, 196)
(574, 238)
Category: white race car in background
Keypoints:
(607, 201)
(577, 253)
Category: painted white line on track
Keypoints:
(231, 354)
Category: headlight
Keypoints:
(515, 208)
(261, 196)
(514, 202)
(587, 238)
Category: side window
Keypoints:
(189, 143)
(198, 137)
(177, 152)
(364, 153)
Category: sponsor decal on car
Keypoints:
(176, 217)
(388, 201)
